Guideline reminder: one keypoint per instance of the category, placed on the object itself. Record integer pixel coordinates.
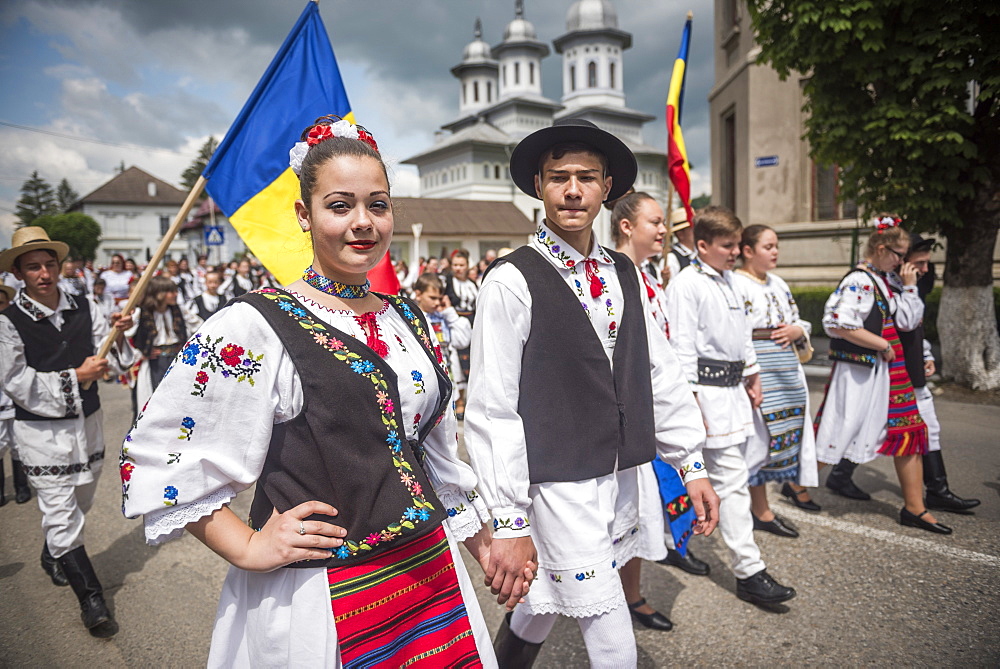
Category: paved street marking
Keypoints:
(891, 537)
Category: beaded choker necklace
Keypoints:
(335, 288)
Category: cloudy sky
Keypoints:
(98, 82)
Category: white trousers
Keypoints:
(608, 637)
(925, 404)
(63, 510)
(727, 470)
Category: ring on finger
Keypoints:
(302, 527)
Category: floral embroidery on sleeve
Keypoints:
(418, 381)
(187, 428)
(232, 360)
(516, 523)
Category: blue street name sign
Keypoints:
(214, 236)
(765, 161)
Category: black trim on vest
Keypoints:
(581, 417)
(47, 349)
(343, 448)
(913, 354)
(203, 312)
(842, 350)
(682, 259)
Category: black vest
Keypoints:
(203, 311)
(47, 349)
(343, 448)
(843, 350)
(913, 353)
(579, 417)
(682, 259)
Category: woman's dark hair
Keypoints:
(626, 206)
(751, 235)
(328, 149)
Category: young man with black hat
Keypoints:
(572, 386)
(48, 367)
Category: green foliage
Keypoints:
(81, 232)
(65, 195)
(702, 200)
(194, 170)
(37, 199)
(888, 97)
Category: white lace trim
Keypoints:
(574, 610)
(468, 517)
(167, 524)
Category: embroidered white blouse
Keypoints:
(493, 430)
(204, 434)
(707, 315)
(770, 304)
(852, 302)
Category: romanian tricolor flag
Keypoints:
(248, 175)
(677, 161)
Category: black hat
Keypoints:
(524, 160)
(918, 243)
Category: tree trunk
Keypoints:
(970, 345)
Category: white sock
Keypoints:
(609, 640)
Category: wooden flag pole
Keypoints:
(140, 287)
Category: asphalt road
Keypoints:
(871, 592)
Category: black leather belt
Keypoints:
(719, 372)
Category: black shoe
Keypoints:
(839, 481)
(793, 497)
(939, 497)
(22, 491)
(776, 526)
(512, 651)
(51, 567)
(93, 609)
(915, 520)
(654, 621)
(688, 562)
(762, 589)
(3, 481)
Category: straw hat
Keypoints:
(8, 290)
(679, 220)
(27, 239)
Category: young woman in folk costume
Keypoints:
(783, 442)
(333, 400)
(638, 231)
(869, 408)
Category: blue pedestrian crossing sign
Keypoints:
(214, 235)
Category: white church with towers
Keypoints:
(500, 100)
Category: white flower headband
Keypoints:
(883, 223)
(323, 131)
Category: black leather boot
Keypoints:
(93, 610)
(22, 491)
(51, 567)
(839, 481)
(3, 481)
(939, 497)
(512, 651)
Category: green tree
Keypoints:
(37, 199)
(905, 96)
(194, 170)
(81, 232)
(702, 200)
(65, 195)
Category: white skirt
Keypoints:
(855, 413)
(284, 619)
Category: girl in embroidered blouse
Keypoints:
(783, 443)
(209, 431)
(869, 408)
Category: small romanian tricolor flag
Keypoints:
(248, 175)
(677, 161)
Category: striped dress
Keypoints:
(783, 447)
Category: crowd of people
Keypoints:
(616, 403)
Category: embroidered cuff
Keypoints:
(70, 392)
(510, 524)
(165, 524)
(466, 513)
(750, 370)
(692, 470)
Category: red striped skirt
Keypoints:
(403, 608)
(906, 433)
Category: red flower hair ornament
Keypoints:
(883, 223)
(327, 127)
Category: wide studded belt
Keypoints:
(719, 372)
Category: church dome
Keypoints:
(520, 30)
(591, 15)
(477, 50)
